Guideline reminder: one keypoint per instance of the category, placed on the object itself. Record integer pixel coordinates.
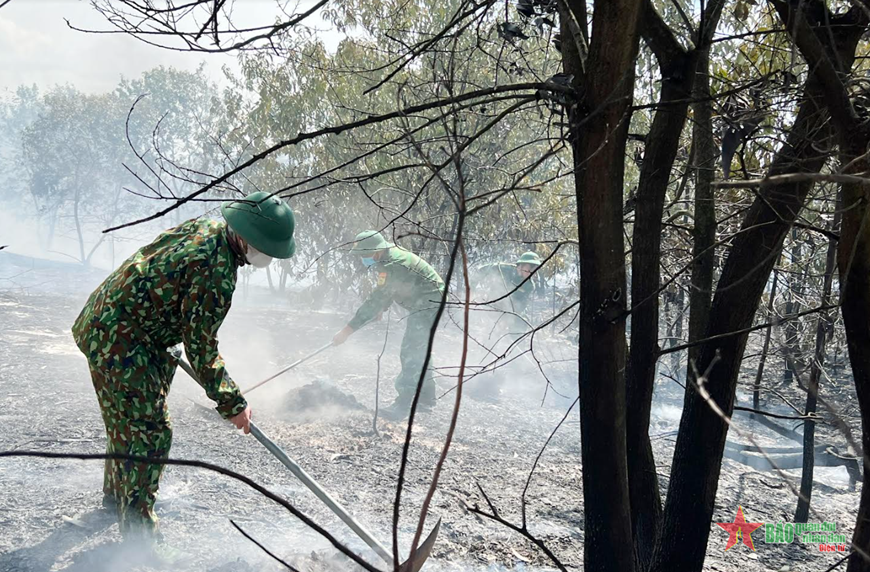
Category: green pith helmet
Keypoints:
(369, 241)
(264, 222)
(530, 258)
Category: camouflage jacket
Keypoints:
(404, 278)
(176, 289)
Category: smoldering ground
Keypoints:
(50, 514)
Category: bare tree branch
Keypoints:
(335, 130)
(143, 19)
(263, 548)
(209, 467)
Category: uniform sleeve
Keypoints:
(204, 309)
(482, 276)
(378, 301)
(521, 300)
(525, 290)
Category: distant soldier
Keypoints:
(509, 287)
(176, 289)
(509, 281)
(408, 280)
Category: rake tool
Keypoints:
(411, 565)
(286, 369)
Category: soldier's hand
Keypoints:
(243, 420)
(342, 336)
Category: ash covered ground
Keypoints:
(321, 414)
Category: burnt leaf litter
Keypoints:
(321, 415)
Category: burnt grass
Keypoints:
(321, 414)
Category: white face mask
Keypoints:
(256, 258)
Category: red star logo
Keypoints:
(740, 528)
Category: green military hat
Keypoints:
(530, 258)
(370, 241)
(263, 221)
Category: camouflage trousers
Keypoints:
(132, 388)
(413, 355)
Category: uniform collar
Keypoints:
(388, 257)
(235, 248)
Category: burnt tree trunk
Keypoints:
(759, 375)
(678, 68)
(704, 231)
(811, 27)
(677, 333)
(661, 150)
(79, 233)
(283, 275)
(659, 155)
(823, 326)
(599, 130)
(854, 269)
(701, 440)
(269, 278)
(794, 305)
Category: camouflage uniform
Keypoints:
(408, 280)
(176, 289)
(496, 280)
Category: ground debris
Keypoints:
(239, 565)
(326, 426)
(317, 400)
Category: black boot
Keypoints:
(110, 503)
(398, 410)
(401, 407)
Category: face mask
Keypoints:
(368, 261)
(256, 258)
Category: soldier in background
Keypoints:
(508, 283)
(511, 290)
(411, 282)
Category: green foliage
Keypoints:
(392, 183)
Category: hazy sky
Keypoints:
(37, 46)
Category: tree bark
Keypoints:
(660, 152)
(599, 130)
(678, 68)
(269, 278)
(93, 249)
(791, 343)
(704, 231)
(823, 326)
(701, 440)
(854, 270)
(283, 274)
(756, 387)
(676, 336)
(79, 233)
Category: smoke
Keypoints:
(503, 362)
(262, 333)
(115, 556)
(29, 236)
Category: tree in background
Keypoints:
(69, 152)
(76, 154)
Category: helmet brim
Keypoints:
(275, 242)
(357, 249)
